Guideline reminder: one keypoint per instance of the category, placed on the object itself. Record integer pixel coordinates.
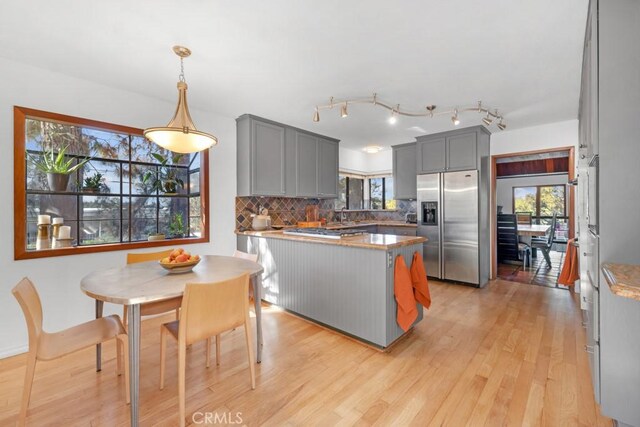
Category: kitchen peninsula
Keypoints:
(346, 283)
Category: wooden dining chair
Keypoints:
(525, 218)
(158, 307)
(208, 309)
(48, 346)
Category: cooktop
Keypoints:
(323, 232)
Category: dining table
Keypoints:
(134, 284)
(531, 230)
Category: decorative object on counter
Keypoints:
(56, 167)
(312, 213)
(95, 184)
(179, 261)
(156, 236)
(181, 135)
(429, 111)
(43, 240)
(261, 221)
(166, 180)
(55, 233)
(177, 227)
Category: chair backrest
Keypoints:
(29, 301)
(133, 258)
(524, 217)
(552, 231)
(244, 255)
(507, 237)
(211, 308)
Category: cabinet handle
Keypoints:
(584, 324)
(588, 349)
(587, 300)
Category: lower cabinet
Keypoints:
(398, 231)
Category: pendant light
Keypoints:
(181, 135)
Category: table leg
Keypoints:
(134, 359)
(257, 299)
(99, 306)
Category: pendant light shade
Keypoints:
(180, 135)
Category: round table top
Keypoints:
(148, 281)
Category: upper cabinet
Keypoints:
(451, 151)
(279, 160)
(404, 171)
(327, 168)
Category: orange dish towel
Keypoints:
(570, 269)
(403, 290)
(419, 279)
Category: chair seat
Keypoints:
(540, 244)
(160, 307)
(523, 246)
(52, 346)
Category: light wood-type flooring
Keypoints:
(510, 354)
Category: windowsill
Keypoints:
(75, 250)
(366, 210)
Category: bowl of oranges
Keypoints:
(179, 261)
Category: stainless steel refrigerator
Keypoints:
(450, 216)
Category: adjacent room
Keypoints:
(290, 213)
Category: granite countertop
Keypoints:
(370, 241)
(623, 279)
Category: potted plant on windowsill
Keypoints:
(56, 167)
(177, 227)
(166, 180)
(95, 184)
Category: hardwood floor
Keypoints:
(537, 274)
(509, 354)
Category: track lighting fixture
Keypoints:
(490, 117)
(393, 119)
(487, 120)
(454, 118)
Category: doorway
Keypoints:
(533, 209)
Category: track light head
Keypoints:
(501, 125)
(316, 116)
(454, 118)
(343, 111)
(393, 119)
(487, 120)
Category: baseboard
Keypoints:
(13, 351)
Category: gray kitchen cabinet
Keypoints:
(397, 231)
(431, 155)
(327, 168)
(306, 165)
(404, 171)
(274, 159)
(609, 234)
(454, 150)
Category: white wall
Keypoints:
(504, 188)
(551, 135)
(356, 161)
(58, 278)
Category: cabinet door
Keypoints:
(267, 159)
(307, 165)
(327, 168)
(431, 156)
(461, 152)
(404, 172)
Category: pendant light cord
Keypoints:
(181, 76)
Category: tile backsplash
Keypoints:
(288, 211)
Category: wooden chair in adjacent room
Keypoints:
(546, 243)
(48, 346)
(208, 309)
(158, 307)
(509, 248)
(524, 217)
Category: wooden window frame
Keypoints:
(20, 115)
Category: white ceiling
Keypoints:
(278, 58)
